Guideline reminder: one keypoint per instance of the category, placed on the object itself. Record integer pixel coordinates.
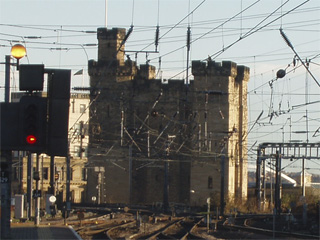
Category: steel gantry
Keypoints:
(277, 152)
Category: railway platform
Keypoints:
(52, 232)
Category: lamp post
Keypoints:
(208, 214)
(7, 79)
(17, 51)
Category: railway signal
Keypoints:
(33, 115)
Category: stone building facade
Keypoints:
(151, 141)
(77, 180)
(221, 102)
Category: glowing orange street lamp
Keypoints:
(18, 51)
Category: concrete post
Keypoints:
(29, 186)
(37, 198)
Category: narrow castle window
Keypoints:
(210, 182)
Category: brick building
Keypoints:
(152, 141)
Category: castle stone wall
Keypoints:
(139, 124)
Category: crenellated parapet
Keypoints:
(212, 68)
(147, 71)
(110, 47)
(243, 73)
(111, 61)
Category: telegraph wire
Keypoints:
(188, 48)
(173, 37)
(171, 28)
(203, 35)
(48, 27)
(156, 41)
(291, 108)
(43, 28)
(272, 13)
(272, 80)
(226, 21)
(249, 33)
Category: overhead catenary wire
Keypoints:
(177, 24)
(188, 47)
(203, 35)
(297, 55)
(156, 41)
(224, 29)
(251, 31)
(72, 27)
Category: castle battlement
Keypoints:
(243, 73)
(212, 68)
(114, 33)
(111, 58)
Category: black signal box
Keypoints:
(31, 77)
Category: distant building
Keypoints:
(78, 177)
(298, 176)
(157, 141)
(79, 124)
(78, 148)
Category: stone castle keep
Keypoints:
(165, 142)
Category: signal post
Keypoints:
(41, 127)
(18, 51)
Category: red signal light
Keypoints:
(31, 139)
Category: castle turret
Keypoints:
(222, 106)
(111, 47)
(111, 65)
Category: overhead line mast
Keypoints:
(188, 46)
(106, 13)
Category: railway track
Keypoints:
(98, 226)
(125, 226)
(146, 225)
(181, 229)
(243, 224)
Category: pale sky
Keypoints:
(58, 33)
